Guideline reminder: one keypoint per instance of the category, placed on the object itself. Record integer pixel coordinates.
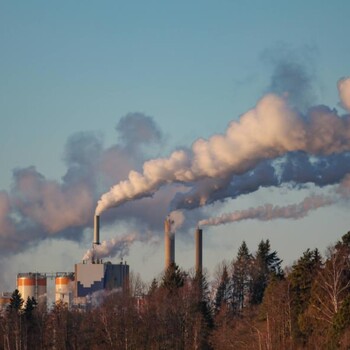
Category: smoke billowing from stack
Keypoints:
(198, 239)
(270, 130)
(115, 247)
(169, 243)
(269, 212)
(37, 208)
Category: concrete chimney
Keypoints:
(96, 230)
(199, 249)
(169, 243)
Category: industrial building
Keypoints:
(73, 288)
(93, 275)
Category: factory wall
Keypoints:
(116, 276)
(90, 278)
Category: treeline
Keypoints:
(251, 304)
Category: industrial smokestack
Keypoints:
(199, 249)
(96, 229)
(169, 243)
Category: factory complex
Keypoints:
(75, 289)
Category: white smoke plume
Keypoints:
(47, 203)
(269, 212)
(270, 130)
(296, 169)
(115, 247)
(344, 187)
(344, 92)
(36, 207)
(292, 76)
(177, 219)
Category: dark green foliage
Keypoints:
(29, 307)
(308, 308)
(302, 275)
(345, 240)
(203, 310)
(301, 279)
(173, 278)
(16, 302)
(266, 265)
(240, 286)
(153, 287)
(221, 296)
(243, 253)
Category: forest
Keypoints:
(250, 303)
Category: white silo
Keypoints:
(64, 284)
(32, 285)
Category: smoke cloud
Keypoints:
(294, 211)
(137, 130)
(36, 208)
(50, 206)
(115, 247)
(293, 74)
(177, 218)
(269, 131)
(344, 188)
(270, 145)
(269, 212)
(296, 169)
(344, 92)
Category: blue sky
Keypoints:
(193, 66)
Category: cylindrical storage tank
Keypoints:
(4, 302)
(64, 288)
(32, 285)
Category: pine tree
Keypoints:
(16, 301)
(266, 265)
(203, 309)
(301, 279)
(153, 287)
(221, 293)
(173, 278)
(29, 307)
(239, 290)
(345, 240)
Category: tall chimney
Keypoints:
(169, 243)
(199, 249)
(96, 229)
